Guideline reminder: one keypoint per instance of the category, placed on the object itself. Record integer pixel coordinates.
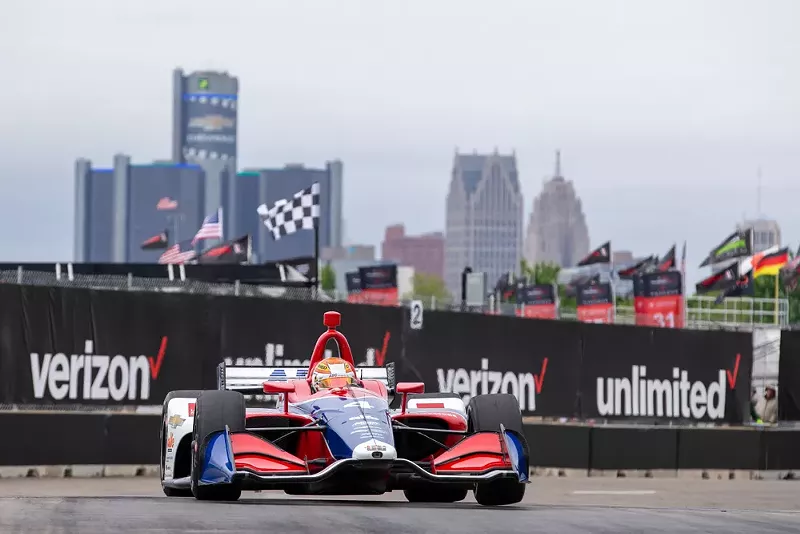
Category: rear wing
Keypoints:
(249, 380)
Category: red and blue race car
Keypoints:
(342, 440)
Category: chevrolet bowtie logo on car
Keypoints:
(175, 421)
(211, 123)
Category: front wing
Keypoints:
(246, 458)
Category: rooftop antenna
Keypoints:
(558, 164)
(758, 194)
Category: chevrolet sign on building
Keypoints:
(206, 105)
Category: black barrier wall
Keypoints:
(129, 439)
(789, 376)
(77, 346)
(572, 369)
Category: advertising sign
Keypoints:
(658, 299)
(210, 130)
(595, 303)
(537, 301)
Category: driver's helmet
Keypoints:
(333, 373)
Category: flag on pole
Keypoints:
(288, 216)
(771, 264)
(683, 259)
(719, 280)
(736, 245)
(742, 287)
(639, 267)
(178, 253)
(156, 242)
(167, 203)
(601, 254)
(236, 251)
(211, 228)
(668, 261)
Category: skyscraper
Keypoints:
(557, 230)
(117, 208)
(484, 217)
(205, 110)
(425, 253)
(266, 186)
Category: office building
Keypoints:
(254, 187)
(423, 252)
(117, 208)
(483, 228)
(205, 130)
(557, 230)
(349, 252)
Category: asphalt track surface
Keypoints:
(87, 506)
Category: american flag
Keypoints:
(178, 253)
(211, 228)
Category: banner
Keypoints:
(690, 375)
(537, 301)
(472, 354)
(353, 282)
(596, 303)
(658, 299)
(379, 285)
(81, 347)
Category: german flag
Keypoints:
(771, 264)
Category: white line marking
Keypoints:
(611, 492)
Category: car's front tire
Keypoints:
(215, 409)
(180, 394)
(485, 413)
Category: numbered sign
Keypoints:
(416, 315)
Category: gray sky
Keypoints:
(663, 110)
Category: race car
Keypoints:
(333, 432)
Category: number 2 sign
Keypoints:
(416, 315)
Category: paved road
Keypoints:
(552, 505)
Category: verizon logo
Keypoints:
(653, 397)
(91, 376)
(468, 383)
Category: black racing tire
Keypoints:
(435, 493)
(215, 410)
(485, 413)
(182, 393)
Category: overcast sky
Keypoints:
(663, 110)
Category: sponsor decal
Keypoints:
(469, 383)
(175, 421)
(371, 448)
(170, 442)
(358, 404)
(678, 397)
(90, 376)
(192, 406)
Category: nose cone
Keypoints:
(374, 450)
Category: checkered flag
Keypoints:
(288, 216)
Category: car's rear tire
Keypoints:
(179, 394)
(435, 493)
(215, 409)
(485, 413)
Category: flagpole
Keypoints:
(776, 299)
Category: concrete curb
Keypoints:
(131, 471)
(684, 474)
(79, 471)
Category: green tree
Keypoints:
(427, 286)
(327, 278)
(540, 273)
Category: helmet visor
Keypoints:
(336, 382)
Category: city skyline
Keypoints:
(663, 136)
